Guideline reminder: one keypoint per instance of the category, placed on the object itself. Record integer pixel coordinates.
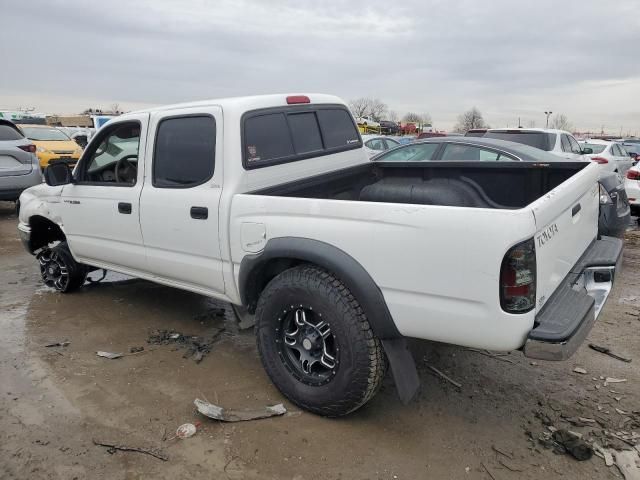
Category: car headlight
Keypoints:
(78, 152)
(42, 150)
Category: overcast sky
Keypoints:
(508, 58)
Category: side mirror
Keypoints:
(58, 174)
(587, 151)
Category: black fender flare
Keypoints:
(341, 264)
(356, 279)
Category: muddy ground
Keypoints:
(54, 401)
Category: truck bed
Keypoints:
(499, 185)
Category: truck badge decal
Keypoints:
(73, 202)
(547, 234)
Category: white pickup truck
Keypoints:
(270, 203)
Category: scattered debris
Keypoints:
(510, 466)
(609, 380)
(621, 412)
(502, 452)
(228, 415)
(573, 444)
(487, 353)
(603, 453)
(488, 471)
(196, 347)
(444, 377)
(136, 349)
(109, 355)
(58, 344)
(580, 370)
(186, 430)
(113, 447)
(607, 351)
(627, 463)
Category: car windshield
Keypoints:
(44, 134)
(596, 147)
(541, 140)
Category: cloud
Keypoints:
(507, 58)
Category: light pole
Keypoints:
(548, 114)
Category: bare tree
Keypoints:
(115, 108)
(412, 117)
(561, 122)
(368, 107)
(426, 118)
(359, 107)
(393, 116)
(469, 120)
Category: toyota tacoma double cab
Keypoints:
(270, 203)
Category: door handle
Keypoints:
(199, 213)
(576, 209)
(124, 207)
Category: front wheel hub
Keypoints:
(53, 269)
(308, 347)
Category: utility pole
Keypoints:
(548, 114)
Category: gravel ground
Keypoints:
(55, 401)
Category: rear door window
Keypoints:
(267, 137)
(391, 143)
(305, 132)
(375, 144)
(338, 129)
(184, 153)
(470, 153)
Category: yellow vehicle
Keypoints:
(52, 144)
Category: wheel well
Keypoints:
(43, 232)
(263, 274)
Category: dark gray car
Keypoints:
(19, 166)
(615, 213)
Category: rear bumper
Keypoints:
(568, 316)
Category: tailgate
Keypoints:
(566, 224)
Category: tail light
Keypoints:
(518, 278)
(633, 175)
(294, 99)
(600, 160)
(605, 197)
(31, 148)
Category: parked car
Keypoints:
(632, 146)
(632, 186)
(374, 144)
(611, 156)
(367, 122)
(389, 128)
(614, 209)
(326, 248)
(52, 144)
(557, 142)
(19, 168)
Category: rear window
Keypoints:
(7, 132)
(597, 148)
(294, 133)
(541, 140)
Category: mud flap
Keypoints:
(403, 368)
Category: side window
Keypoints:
(391, 143)
(419, 152)
(184, 152)
(305, 132)
(337, 128)
(455, 152)
(575, 147)
(564, 141)
(114, 159)
(375, 144)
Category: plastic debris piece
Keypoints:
(229, 415)
(580, 370)
(136, 349)
(186, 430)
(109, 355)
(603, 453)
(627, 461)
(607, 351)
(609, 380)
(58, 344)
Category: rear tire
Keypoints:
(59, 269)
(316, 344)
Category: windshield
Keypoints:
(596, 147)
(44, 134)
(541, 140)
